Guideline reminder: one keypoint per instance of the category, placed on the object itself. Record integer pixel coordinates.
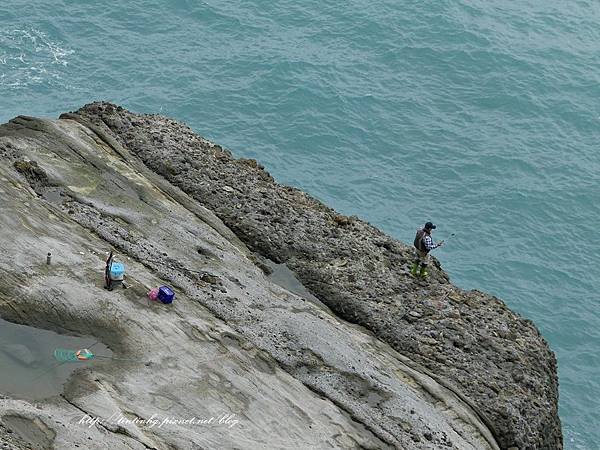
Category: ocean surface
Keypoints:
(481, 116)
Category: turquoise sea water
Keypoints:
(482, 116)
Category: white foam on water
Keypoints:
(30, 57)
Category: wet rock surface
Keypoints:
(443, 367)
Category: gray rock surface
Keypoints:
(384, 361)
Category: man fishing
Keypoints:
(423, 245)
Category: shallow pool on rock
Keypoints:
(28, 369)
(286, 278)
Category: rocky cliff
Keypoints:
(375, 359)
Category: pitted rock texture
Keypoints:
(294, 374)
(470, 341)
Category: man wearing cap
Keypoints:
(423, 244)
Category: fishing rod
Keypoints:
(443, 241)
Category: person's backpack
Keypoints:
(418, 243)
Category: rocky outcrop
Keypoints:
(442, 367)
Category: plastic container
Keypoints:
(117, 271)
(153, 294)
(165, 294)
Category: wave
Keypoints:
(30, 57)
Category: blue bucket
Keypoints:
(117, 271)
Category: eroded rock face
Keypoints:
(287, 372)
(30, 432)
(444, 367)
(495, 358)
